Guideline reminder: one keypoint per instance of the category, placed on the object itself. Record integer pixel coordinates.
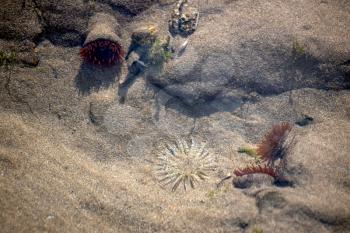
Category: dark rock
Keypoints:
(30, 59)
(306, 120)
(19, 20)
(129, 8)
(264, 62)
(65, 21)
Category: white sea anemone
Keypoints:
(184, 163)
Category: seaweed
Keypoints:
(159, 53)
(7, 58)
(298, 49)
(257, 230)
(249, 151)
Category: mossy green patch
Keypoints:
(298, 49)
(159, 52)
(7, 58)
(257, 230)
(249, 151)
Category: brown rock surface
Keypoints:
(78, 153)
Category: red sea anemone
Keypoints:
(271, 146)
(102, 52)
(268, 170)
(269, 150)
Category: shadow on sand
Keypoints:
(91, 78)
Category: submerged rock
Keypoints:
(184, 19)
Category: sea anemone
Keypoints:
(102, 46)
(270, 147)
(262, 169)
(102, 52)
(183, 163)
(269, 150)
